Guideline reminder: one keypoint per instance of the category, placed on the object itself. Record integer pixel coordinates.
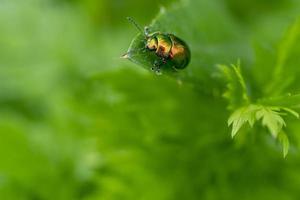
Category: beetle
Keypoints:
(169, 49)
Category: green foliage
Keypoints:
(77, 122)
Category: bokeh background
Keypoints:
(77, 122)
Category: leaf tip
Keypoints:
(285, 151)
(283, 139)
(232, 135)
(125, 56)
(162, 10)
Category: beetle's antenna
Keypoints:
(136, 25)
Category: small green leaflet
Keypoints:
(283, 139)
(271, 119)
(242, 116)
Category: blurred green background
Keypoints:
(77, 122)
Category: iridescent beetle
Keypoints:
(169, 49)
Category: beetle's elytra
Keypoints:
(170, 50)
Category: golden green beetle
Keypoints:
(170, 50)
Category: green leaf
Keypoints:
(271, 117)
(283, 139)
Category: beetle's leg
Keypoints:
(145, 47)
(174, 68)
(157, 65)
(144, 50)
